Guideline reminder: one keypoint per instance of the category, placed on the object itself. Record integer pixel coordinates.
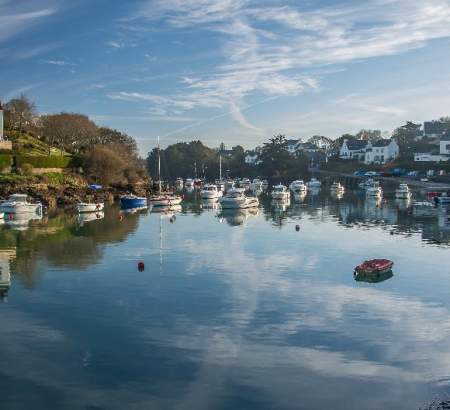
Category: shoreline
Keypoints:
(399, 180)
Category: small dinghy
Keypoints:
(374, 266)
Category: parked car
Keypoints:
(397, 172)
(442, 173)
(413, 174)
(430, 173)
(359, 173)
(371, 174)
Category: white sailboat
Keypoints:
(164, 198)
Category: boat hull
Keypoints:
(375, 266)
(128, 203)
(165, 201)
(85, 208)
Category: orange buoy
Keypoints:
(141, 266)
(120, 217)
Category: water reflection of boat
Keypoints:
(169, 209)
(18, 204)
(299, 197)
(20, 221)
(373, 277)
(280, 205)
(209, 204)
(237, 217)
(424, 208)
(139, 209)
(403, 203)
(5, 274)
(90, 216)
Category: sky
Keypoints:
(237, 71)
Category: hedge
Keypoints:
(5, 161)
(42, 161)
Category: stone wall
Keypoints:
(38, 171)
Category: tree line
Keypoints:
(194, 159)
(106, 155)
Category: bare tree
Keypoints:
(68, 131)
(19, 112)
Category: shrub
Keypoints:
(26, 169)
(5, 161)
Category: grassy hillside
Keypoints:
(26, 144)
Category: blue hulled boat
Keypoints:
(132, 201)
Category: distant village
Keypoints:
(369, 147)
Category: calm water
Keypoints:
(232, 311)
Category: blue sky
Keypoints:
(236, 71)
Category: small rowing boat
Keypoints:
(374, 266)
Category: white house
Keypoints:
(292, 145)
(444, 144)
(354, 149)
(381, 152)
(252, 158)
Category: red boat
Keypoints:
(375, 266)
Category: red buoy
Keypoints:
(141, 266)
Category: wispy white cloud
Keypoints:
(14, 20)
(267, 49)
(60, 63)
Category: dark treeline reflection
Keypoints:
(62, 240)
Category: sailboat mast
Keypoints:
(159, 168)
(220, 167)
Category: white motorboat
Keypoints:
(210, 191)
(298, 186)
(236, 199)
(18, 203)
(90, 207)
(179, 183)
(374, 190)
(209, 204)
(280, 193)
(337, 187)
(314, 183)
(189, 183)
(403, 192)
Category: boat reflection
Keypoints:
(299, 197)
(280, 205)
(6, 256)
(373, 277)
(140, 210)
(89, 217)
(209, 204)
(21, 221)
(236, 217)
(166, 210)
